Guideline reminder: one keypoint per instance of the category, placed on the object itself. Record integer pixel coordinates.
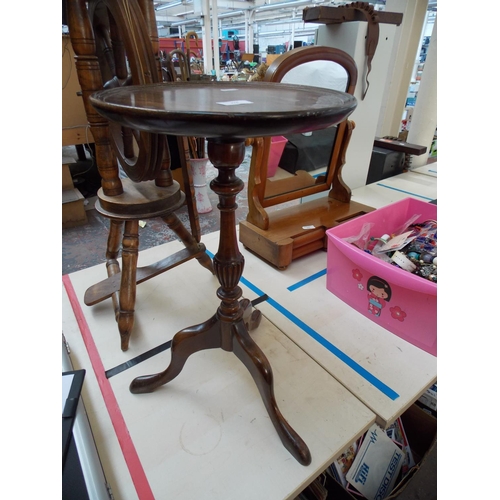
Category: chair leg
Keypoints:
(188, 239)
(124, 296)
(112, 253)
(130, 253)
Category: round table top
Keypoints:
(236, 110)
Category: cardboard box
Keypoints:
(408, 307)
(73, 208)
(429, 398)
(421, 431)
(67, 180)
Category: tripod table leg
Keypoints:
(249, 353)
(185, 342)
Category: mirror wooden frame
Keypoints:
(279, 236)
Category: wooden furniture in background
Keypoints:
(75, 132)
(75, 127)
(116, 44)
(286, 234)
(270, 58)
(329, 14)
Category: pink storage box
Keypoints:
(277, 146)
(410, 312)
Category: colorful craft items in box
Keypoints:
(414, 250)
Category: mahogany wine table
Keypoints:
(226, 114)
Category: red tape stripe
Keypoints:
(130, 455)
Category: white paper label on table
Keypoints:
(235, 103)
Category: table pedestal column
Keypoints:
(227, 329)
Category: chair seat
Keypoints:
(143, 200)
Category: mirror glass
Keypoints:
(302, 160)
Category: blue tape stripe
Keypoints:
(433, 171)
(403, 191)
(252, 287)
(337, 352)
(391, 394)
(305, 281)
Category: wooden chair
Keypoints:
(116, 43)
(283, 235)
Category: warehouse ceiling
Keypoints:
(185, 15)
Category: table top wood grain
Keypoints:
(237, 110)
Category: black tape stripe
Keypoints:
(153, 352)
(260, 299)
(139, 359)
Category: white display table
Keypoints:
(206, 434)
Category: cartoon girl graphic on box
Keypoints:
(379, 292)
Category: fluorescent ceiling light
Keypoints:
(188, 21)
(282, 5)
(168, 5)
(284, 21)
(233, 27)
(272, 34)
(233, 13)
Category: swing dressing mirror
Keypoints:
(305, 159)
(310, 164)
